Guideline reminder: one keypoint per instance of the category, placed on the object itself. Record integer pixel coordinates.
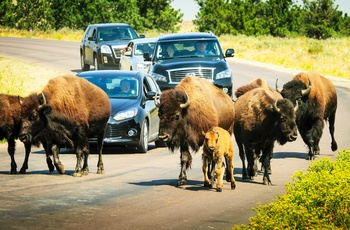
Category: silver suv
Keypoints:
(102, 43)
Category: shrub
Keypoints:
(316, 199)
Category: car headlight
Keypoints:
(224, 74)
(125, 114)
(141, 66)
(159, 77)
(105, 49)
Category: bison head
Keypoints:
(211, 139)
(296, 91)
(172, 110)
(33, 112)
(286, 121)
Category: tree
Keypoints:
(7, 13)
(320, 18)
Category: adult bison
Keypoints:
(260, 121)
(185, 112)
(318, 102)
(68, 112)
(10, 122)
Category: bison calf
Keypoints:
(217, 146)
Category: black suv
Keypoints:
(198, 54)
(102, 43)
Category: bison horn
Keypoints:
(20, 100)
(187, 103)
(296, 106)
(275, 107)
(307, 91)
(44, 98)
(156, 100)
(276, 86)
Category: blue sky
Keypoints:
(190, 8)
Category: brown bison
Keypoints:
(10, 123)
(217, 147)
(260, 121)
(68, 112)
(275, 94)
(192, 107)
(318, 102)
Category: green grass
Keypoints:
(327, 57)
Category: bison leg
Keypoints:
(11, 150)
(85, 170)
(48, 158)
(55, 152)
(331, 121)
(230, 169)
(205, 169)
(242, 156)
(252, 166)
(78, 170)
(267, 155)
(220, 174)
(186, 161)
(100, 169)
(27, 147)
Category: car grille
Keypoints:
(112, 132)
(176, 75)
(116, 52)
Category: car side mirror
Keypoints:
(150, 95)
(142, 36)
(147, 56)
(230, 52)
(91, 39)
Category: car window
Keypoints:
(115, 86)
(187, 49)
(142, 48)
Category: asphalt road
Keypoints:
(138, 191)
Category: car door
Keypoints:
(90, 44)
(151, 85)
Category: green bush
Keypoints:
(316, 199)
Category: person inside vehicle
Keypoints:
(201, 48)
(169, 51)
(124, 86)
(123, 34)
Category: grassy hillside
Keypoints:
(328, 57)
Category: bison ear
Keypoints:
(45, 109)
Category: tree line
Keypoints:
(318, 19)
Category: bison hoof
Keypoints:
(60, 169)
(334, 146)
(310, 158)
(219, 189)
(22, 171)
(233, 186)
(77, 174)
(13, 172)
(181, 182)
(100, 171)
(267, 181)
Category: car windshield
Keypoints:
(142, 48)
(117, 86)
(188, 49)
(116, 33)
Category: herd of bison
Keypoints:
(194, 114)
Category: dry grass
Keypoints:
(328, 57)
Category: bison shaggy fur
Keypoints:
(317, 97)
(192, 107)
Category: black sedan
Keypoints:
(134, 120)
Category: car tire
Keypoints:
(142, 147)
(160, 144)
(97, 67)
(84, 67)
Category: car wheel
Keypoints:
(84, 67)
(96, 63)
(160, 144)
(143, 142)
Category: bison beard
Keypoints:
(318, 102)
(260, 121)
(192, 107)
(68, 112)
